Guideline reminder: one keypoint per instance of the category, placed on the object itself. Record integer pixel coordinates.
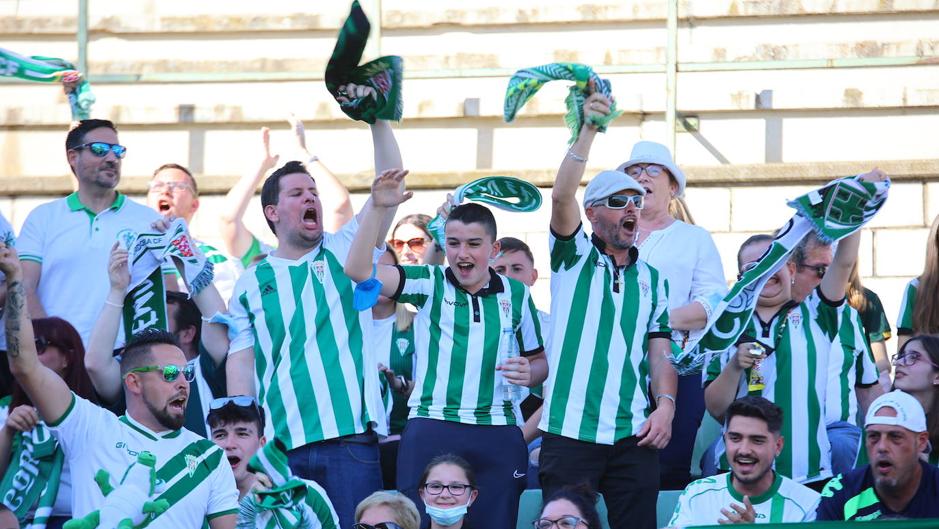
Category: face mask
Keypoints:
(365, 295)
(446, 517)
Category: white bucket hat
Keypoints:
(652, 152)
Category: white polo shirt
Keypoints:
(193, 473)
(73, 246)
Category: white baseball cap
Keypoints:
(910, 413)
(652, 152)
(607, 183)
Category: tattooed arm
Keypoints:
(49, 393)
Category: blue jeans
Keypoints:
(845, 439)
(347, 467)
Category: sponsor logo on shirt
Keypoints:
(455, 303)
(122, 445)
(267, 289)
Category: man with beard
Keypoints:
(191, 472)
(752, 492)
(65, 244)
(610, 342)
(897, 483)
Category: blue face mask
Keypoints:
(446, 517)
(365, 295)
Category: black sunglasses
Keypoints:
(818, 269)
(381, 525)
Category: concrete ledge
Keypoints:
(699, 176)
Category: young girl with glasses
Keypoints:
(448, 489)
(916, 371)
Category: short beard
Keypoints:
(608, 233)
(164, 418)
(755, 479)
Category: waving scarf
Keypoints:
(383, 74)
(833, 212)
(145, 304)
(526, 83)
(504, 192)
(32, 479)
(50, 70)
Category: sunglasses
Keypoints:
(818, 269)
(620, 201)
(909, 358)
(100, 149)
(170, 372)
(380, 525)
(172, 187)
(41, 344)
(564, 522)
(417, 244)
(650, 169)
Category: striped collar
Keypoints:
(493, 287)
(146, 432)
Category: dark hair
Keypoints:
(76, 136)
(930, 343)
(757, 408)
(418, 220)
(809, 242)
(187, 313)
(61, 334)
(449, 459)
(751, 240)
(140, 346)
(511, 244)
(472, 212)
(231, 414)
(192, 179)
(583, 497)
(270, 191)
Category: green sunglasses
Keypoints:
(170, 372)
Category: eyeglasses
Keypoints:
(818, 269)
(651, 169)
(100, 149)
(456, 489)
(172, 187)
(380, 525)
(909, 358)
(170, 372)
(564, 522)
(417, 244)
(620, 201)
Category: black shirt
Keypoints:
(852, 496)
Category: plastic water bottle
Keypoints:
(510, 391)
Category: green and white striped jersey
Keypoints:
(314, 365)
(394, 348)
(905, 321)
(798, 340)
(602, 317)
(458, 339)
(193, 474)
(702, 501)
(851, 363)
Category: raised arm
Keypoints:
(332, 192)
(565, 213)
(387, 194)
(214, 335)
(235, 235)
(722, 391)
(239, 372)
(49, 393)
(102, 367)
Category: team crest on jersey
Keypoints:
(644, 288)
(191, 464)
(402, 344)
(319, 270)
(506, 307)
(795, 319)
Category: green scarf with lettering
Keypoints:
(527, 81)
(833, 212)
(32, 479)
(504, 192)
(51, 70)
(384, 74)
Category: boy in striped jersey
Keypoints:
(467, 317)
(610, 342)
(752, 492)
(302, 343)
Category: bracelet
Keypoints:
(111, 303)
(665, 396)
(576, 157)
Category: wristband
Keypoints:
(665, 396)
(576, 157)
(111, 303)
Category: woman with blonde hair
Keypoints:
(387, 510)
(920, 314)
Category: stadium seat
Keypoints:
(529, 506)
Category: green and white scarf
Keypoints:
(145, 304)
(284, 504)
(32, 478)
(504, 192)
(527, 81)
(384, 74)
(50, 70)
(833, 212)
